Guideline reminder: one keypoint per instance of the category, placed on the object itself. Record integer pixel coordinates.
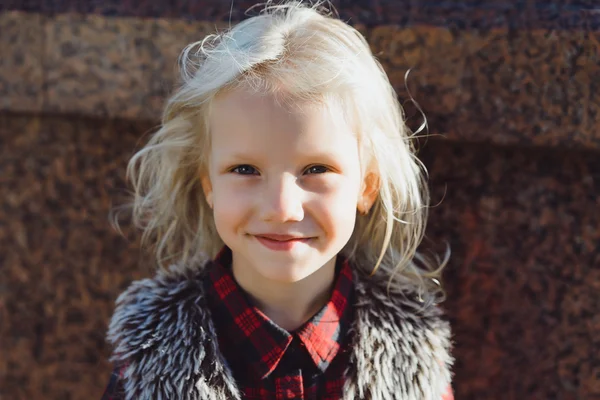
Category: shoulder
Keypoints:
(395, 312)
(411, 340)
(394, 302)
(157, 310)
(396, 317)
(163, 337)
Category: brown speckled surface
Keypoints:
(113, 67)
(463, 14)
(62, 265)
(524, 279)
(21, 61)
(523, 87)
(526, 86)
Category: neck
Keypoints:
(289, 304)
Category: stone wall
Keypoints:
(509, 89)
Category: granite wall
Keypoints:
(509, 89)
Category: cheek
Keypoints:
(230, 209)
(336, 210)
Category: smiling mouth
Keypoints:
(281, 242)
(280, 238)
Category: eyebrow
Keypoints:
(228, 160)
(239, 156)
(301, 154)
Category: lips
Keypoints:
(279, 238)
(279, 242)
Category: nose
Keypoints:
(282, 201)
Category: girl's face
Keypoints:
(284, 185)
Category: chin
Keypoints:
(284, 273)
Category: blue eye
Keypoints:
(245, 170)
(316, 169)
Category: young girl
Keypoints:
(285, 205)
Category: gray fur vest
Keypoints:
(163, 329)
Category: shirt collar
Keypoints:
(258, 341)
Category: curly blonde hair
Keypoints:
(310, 55)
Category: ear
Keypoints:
(207, 189)
(369, 192)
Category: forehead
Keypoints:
(241, 119)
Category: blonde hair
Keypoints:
(306, 53)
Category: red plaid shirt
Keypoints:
(271, 363)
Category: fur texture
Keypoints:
(163, 329)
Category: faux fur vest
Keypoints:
(163, 330)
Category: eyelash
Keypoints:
(236, 169)
(325, 169)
